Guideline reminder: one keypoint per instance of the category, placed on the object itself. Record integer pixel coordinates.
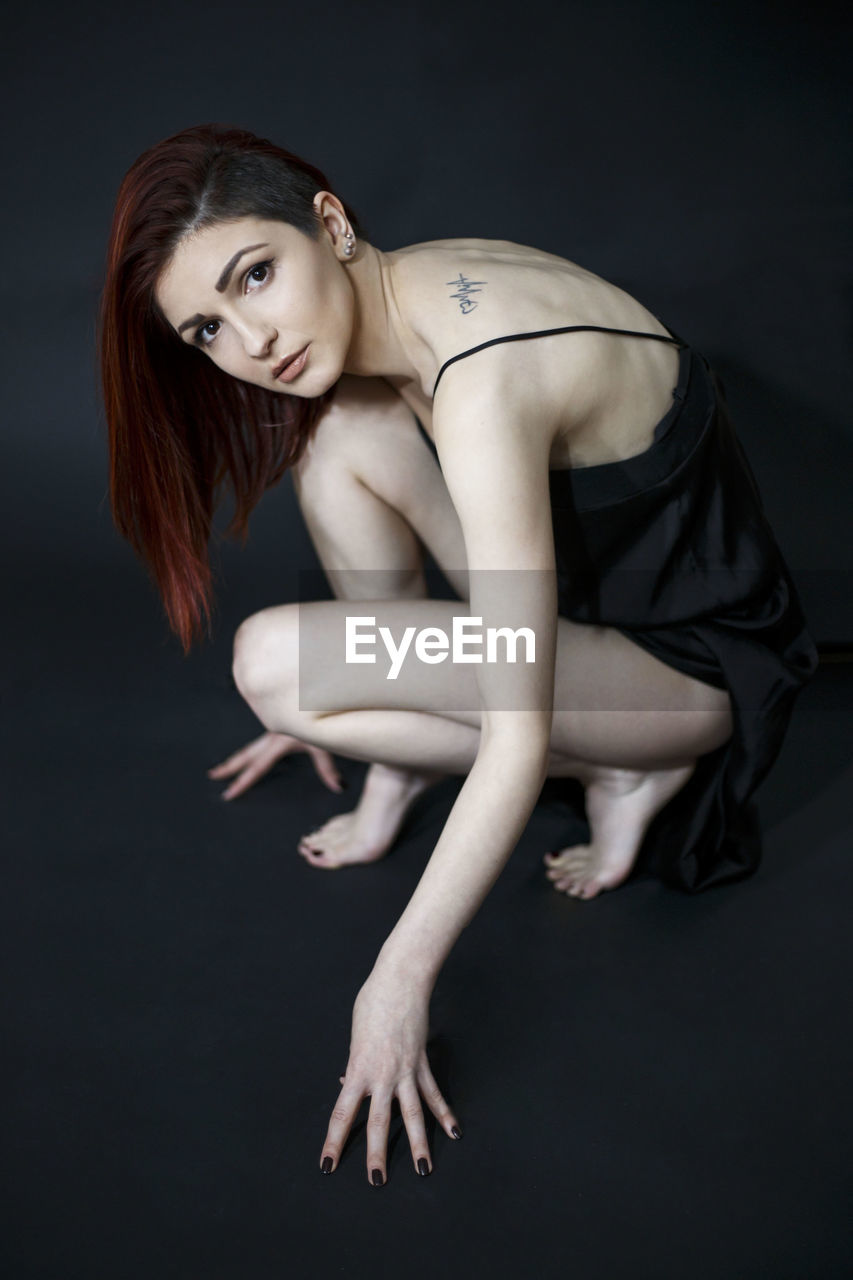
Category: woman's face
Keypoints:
(253, 293)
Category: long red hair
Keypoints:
(179, 428)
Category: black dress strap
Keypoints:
(546, 333)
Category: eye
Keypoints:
(259, 266)
(202, 332)
(203, 337)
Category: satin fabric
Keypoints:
(673, 548)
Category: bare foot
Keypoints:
(367, 833)
(620, 805)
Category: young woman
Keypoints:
(570, 463)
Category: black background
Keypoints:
(650, 1085)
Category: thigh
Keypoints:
(614, 703)
(617, 704)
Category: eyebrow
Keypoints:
(222, 283)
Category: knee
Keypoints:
(265, 652)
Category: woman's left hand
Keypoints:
(387, 1059)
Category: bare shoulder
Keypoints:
(454, 295)
(580, 397)
(455, 290)
(496, 401)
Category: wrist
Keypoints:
(416, 974)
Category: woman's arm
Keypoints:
(497, 475)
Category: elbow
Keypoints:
(524, 735)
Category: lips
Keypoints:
(291, 366)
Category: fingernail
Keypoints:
(455, 1132)
(423, 1166)
(326, 1166)
(377, 1178)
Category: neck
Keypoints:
(378, 347)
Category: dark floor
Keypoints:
(651, 1085)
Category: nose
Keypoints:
(258, 338)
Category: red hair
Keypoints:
(179, 428)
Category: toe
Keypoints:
(321, 860)
(564, 875)
(310, 851)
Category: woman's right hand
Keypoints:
(258, 757)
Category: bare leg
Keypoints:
(630, 727)
(367, 484)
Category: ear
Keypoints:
(330, 211)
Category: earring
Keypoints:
(349, 247)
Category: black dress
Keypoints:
(672, 547)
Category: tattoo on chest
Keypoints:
(464, 288)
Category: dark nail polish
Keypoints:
(377, 1178)
(423, 1166)
(455, 1132)
(326, 1166)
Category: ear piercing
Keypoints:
(349, 247)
